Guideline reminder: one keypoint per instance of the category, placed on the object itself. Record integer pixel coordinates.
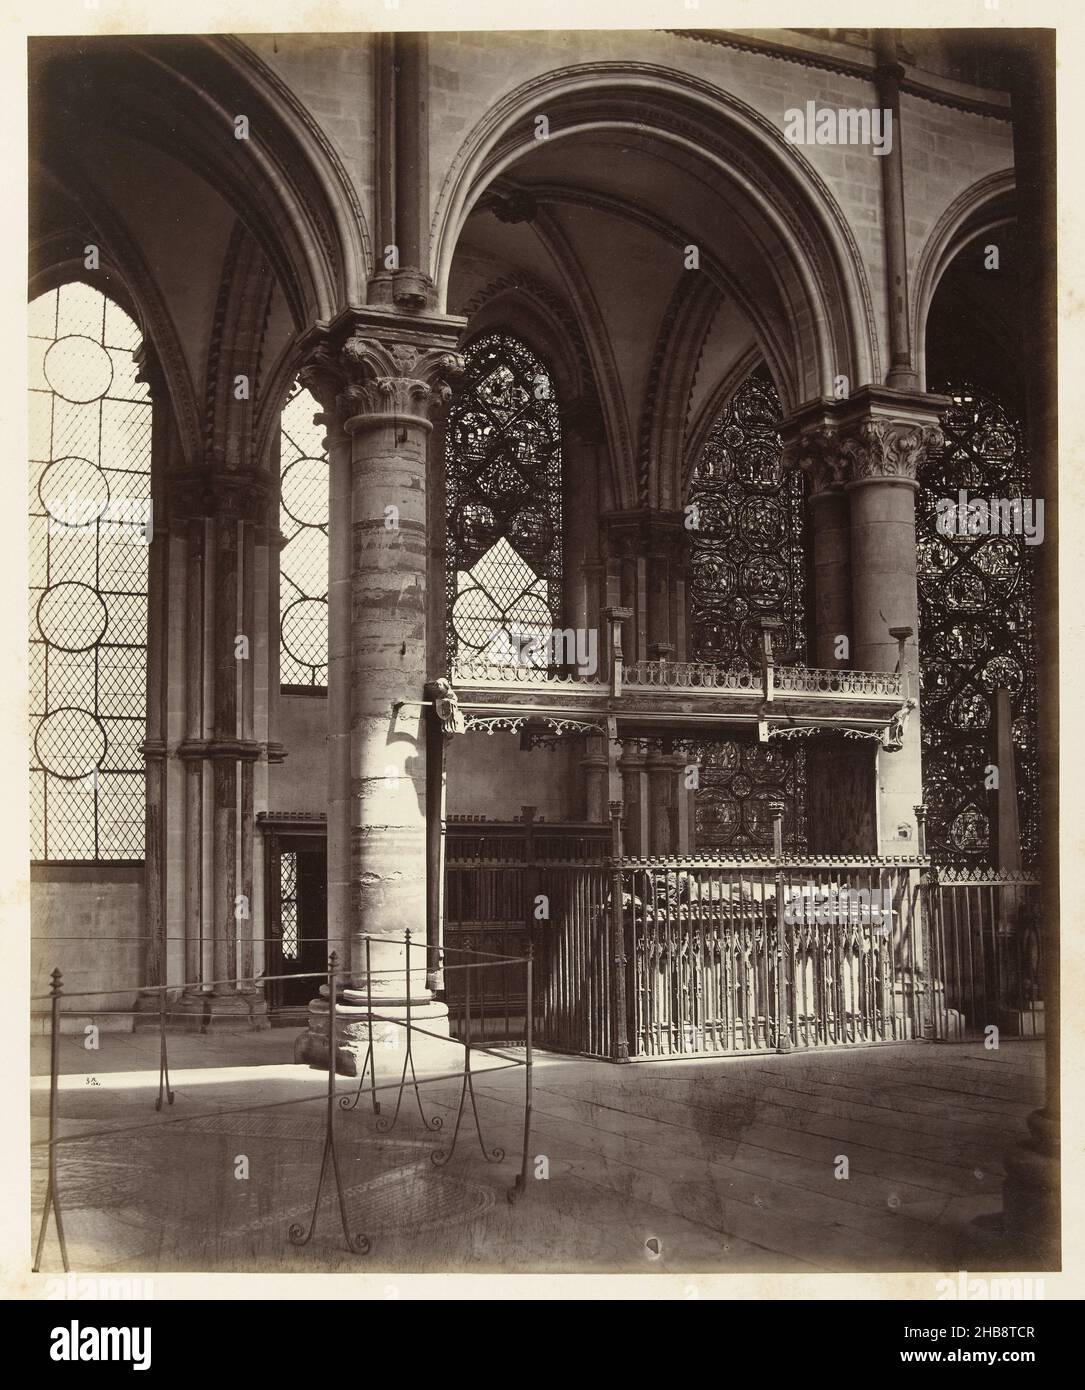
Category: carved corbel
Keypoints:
(893, 739)
(446, 706)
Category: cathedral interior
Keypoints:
(474, 471)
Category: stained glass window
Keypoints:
(975, 629)
(747, 562)
(303, 560)
(90, 524)
(503, 458)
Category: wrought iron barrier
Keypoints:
(691, 963)
(463, 961)
(987, 959)
(748, 955)
(499, 879)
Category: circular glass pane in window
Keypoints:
(72, 616)
(79, 369)
(305, 491)
(74, 491)
(70, 743)
(305, 631)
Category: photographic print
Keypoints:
(542, 656)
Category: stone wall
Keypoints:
(87, 920)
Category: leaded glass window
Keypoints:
(303, 560)
(503, 458)
(90, 524)
(288, 904)
(975, 631)
(747, 562)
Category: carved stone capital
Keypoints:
(877, 435)
(656, 534)
(413, 288)
(888, 450)
(369, 376)
(816, 451)
(216, 492)
(149, 369)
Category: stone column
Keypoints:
(660, 646)
(582, 434)
(596, 764)
(222, 508)
(191, 751)
(665, 787)
(832, 575)
(338, 445)
(594, 591)
(812, 444)
(384, 391)
(246, 766)
(624, 547)
(883, 439)
(156, 970)
(412, 286)
(888, 76)
(679, 594)
(631, 765)
(223, 757)
(632, 647)
(860, 457)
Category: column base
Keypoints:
(205, 1013)
(431, 1050)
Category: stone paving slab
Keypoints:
(685, 1165)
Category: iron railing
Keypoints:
(495, 872)
(691, 963)
(987, 955)
(769, 955)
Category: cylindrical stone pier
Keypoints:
(385, 395)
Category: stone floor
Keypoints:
(725, 1165)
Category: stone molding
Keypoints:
(646, 533)
(241, 495)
